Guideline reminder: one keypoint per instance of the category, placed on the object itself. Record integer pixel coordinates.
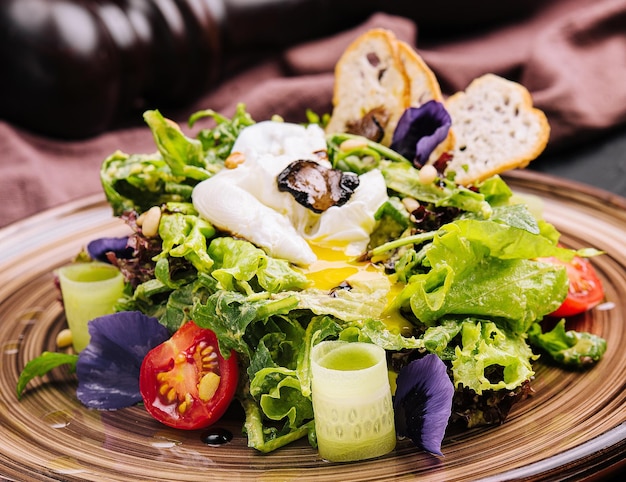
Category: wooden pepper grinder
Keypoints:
(73, 68)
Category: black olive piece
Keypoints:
(317, 187)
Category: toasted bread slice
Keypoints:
(371, 87)
(496, 129)
(376, 79)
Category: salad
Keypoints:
(253, 242)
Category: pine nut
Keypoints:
(64, 338)
(233, 160)
(410, 204)
(351, 144)
(428, 174)
(150, 225)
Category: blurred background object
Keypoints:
(73, 69)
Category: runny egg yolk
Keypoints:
(333, 267)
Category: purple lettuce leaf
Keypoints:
(420, 130)
(98, 248)
(108, 368)
(423, 402)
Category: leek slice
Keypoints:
(352, 401)
(89, 290)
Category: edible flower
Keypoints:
(108, 368)
(98, 248)
(423, 402)
(420, 130)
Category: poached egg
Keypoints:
(246, 202)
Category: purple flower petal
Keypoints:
(423, 402)
(108, 368)
(420, 130)
(98, 248)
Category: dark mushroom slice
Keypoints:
(371, 125)
(315, 186)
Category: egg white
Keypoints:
(233, 209)
(246, 201)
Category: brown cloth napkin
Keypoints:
(571, 55)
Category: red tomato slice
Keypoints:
(185, 382)
(585, 289)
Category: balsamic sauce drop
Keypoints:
(216, 436)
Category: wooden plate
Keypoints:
(573, 427)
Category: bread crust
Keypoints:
(360, 87)
(423, 84)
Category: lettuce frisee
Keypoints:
(136, 182)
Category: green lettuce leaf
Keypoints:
(496, 191)
(184, 155)
(139, 181)
(185, 236)
(277, 342)
(281, 397)
(375, 331)
(479, 268)
(438, 339)
(39, 366)
(218, 141)
(229, 313)
(238, 262)
(568, 348)
(491, 359)
(267, 439)
(361, 302)
(318, 329)
(279, 393)
(404, 179)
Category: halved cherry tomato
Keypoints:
(585, 288)
(185, 382)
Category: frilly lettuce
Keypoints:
(185, 235)
(139, 181)
(404, 179)
(237, 262)
(363, 301)
(229, 313)
(488, 358)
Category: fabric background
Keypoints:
(570, 54)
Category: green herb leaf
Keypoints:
(568, 348)
(184, 155)
(38, 367)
